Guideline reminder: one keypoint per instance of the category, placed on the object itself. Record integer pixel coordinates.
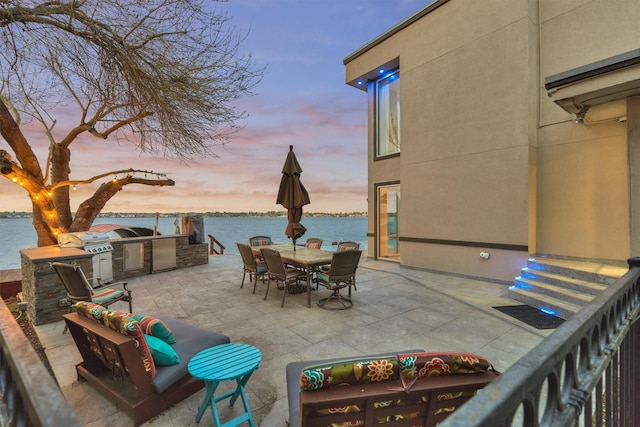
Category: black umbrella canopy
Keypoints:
(292, 195)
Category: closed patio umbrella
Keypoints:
(293, 196)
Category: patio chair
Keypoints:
(279, 273)
(344, 246)
(347, 244)
(260, 241)
(313, 242)
(341, 274)
(79, 289)
(252, 266)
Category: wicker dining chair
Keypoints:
(344, 246)
(279, 273)
(341, 274)
(313, 242)
(252, 266)
(260, 241)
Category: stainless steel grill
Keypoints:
(99, 245)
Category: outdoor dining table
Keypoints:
(301, 257)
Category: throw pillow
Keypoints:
(417, 365)
(89, 310)
(161, 352)
(349, 373)
(126, 325)
(155, 327)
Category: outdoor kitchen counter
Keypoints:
(53, 253)
(41, 288)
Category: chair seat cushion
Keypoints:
(101, 296)
(322, 276)
(261, 242)
(261, 268)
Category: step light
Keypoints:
(548, 311)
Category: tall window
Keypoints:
(388, 114)
(388, 213)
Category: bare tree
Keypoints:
(162, 74)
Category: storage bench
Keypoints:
(408, 388)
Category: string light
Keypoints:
(14, 179)
(21, 183)
(74, 188)
(37, 197)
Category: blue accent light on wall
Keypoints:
(359, 82)
(381, 70)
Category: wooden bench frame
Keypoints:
(112, 364)
(365, 396)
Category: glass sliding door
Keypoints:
(388, 213)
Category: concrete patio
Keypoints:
(394, 308)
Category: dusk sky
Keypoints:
(302, 101)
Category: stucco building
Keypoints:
(504, 127)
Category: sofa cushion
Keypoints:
(89, 310)
(294, 369)
(359, 371)
(155, 327)
(415, 365)
(161, 352)
(190, 340)
(124, 324)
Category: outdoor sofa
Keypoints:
(409, 388)
(120, 361)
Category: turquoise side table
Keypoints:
(223, 363)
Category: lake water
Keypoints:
(16, 234)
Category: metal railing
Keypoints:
(586, 373)
(29, 396)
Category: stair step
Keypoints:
(545, 303)
(579, 285)
(589, 271)
(554, 291)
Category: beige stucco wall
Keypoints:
(583, 191)
(487, 156)
(465, 127)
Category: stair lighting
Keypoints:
(548, 311)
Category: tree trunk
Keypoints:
(60, 160)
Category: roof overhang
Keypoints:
(599, 83)
(360, 82)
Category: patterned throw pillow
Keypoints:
(343, 373)
(155, 327)
(417, 365)
(121, 322)
(89, 310)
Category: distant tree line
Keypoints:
(274, 214)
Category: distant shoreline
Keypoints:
(274, 214)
